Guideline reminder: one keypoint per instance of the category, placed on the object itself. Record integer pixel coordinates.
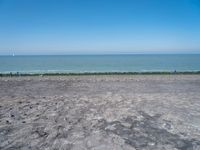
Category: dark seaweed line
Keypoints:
(99, 73)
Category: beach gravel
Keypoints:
(102, 112)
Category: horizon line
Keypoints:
(74, 54)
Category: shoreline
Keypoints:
(11, 74)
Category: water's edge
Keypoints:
(100, 73)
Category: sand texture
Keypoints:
(113, 112)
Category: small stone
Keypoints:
(125, 124)
(8, 122)
(151, 143)
(167, 126)
(110, 127)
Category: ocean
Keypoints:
(99, 63)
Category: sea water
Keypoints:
(99, 63)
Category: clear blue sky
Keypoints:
(99, 26)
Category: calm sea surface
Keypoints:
(99, 63)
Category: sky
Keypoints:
(99, 26)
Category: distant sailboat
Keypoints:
(13, 55)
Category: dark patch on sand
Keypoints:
(147, 134)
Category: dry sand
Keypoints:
(121, 112)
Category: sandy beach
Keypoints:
(113, 112)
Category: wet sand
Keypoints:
(119, 112)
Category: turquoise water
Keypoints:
(99, 63)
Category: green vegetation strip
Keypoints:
(97, 73)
